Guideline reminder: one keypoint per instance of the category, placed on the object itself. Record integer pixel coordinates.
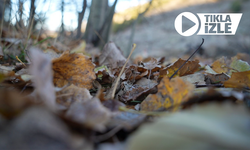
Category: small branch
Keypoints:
(187, 60)
(209, 85)
(118, 78)
(20, 61)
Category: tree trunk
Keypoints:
(105, 29)
(62, 23)
(80, 17)
(32, 14)
(20, 12)
(99, 22)
(1, 10)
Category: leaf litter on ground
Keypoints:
(73, 95)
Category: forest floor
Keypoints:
(70, 96)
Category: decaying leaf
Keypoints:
(111, 56)
(75, 69)
(36, 128)
(91, 113)
(197, 78)
(228, 66)
(80, 48)
(41, 71)
(212, 126)
(216, 78)
(138, 91)
(12, 103)
(151, 64)
(170, 93)
(244, 57)
(71, 94)
(189, 68)
(238, 80)
(126, 120)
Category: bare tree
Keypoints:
(99, 22)
(32, 13)
(80, 17)
(62, 12)
(20, 13)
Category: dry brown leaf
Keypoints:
(189, 68)
(75, 69)
(111, 56)
(170, 93)
(138, 91)
(238, 80)
(36, 128)
(71, 94)
(12, 103)
(244, 57)
(41, 71)
(151, 64)
(215, 78)
(91, 113)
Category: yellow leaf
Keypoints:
(170, 93)
(238, 80)
(221, 65)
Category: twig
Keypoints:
(187, 60)
(209, 85)
(118, 78)
(20, 61)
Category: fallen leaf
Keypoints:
(111, 56)
(80, 48)
(238, 80)
(75, 69)
(170, 93)
(126, 120)
(189, 68)
(41, 71)
(239, 65)
(36, 128)
(151, 64)
(71, 94)
(138, 91)
(216, 78)
(243, 56)
(228, 66)
(211, 126)
(90, 113)
(221, 65)
(197, 78)
(12, 103)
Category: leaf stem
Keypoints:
(187, 59)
